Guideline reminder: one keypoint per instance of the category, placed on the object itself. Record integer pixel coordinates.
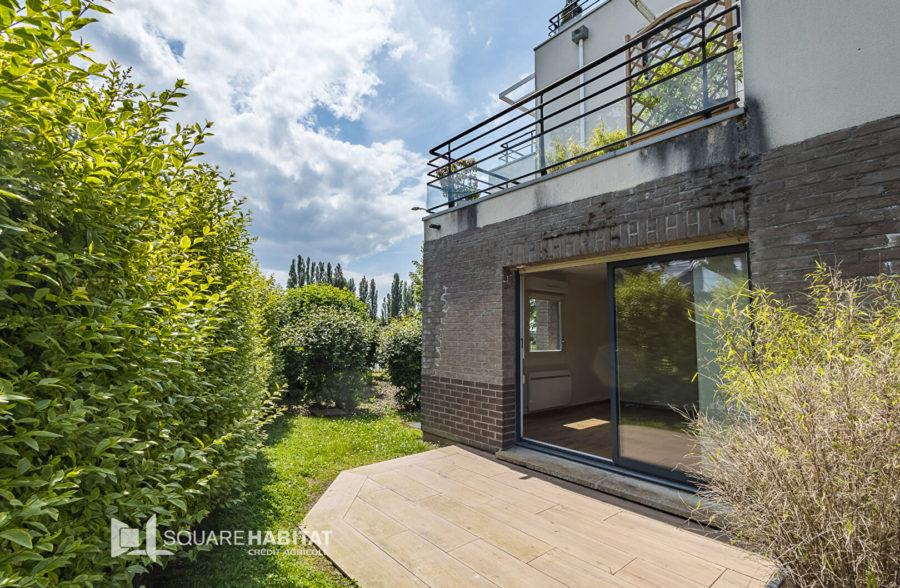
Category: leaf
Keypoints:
(185, 242)
(18, 536)
(23, 466)
(179, 454)
(94, 129)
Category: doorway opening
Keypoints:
(618, 355)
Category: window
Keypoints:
(544, 323)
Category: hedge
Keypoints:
(137, 336)
(400, 352)
(325, 357)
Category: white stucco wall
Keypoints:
(813, 67)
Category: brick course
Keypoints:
(834, 198)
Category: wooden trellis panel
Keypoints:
(662, 64)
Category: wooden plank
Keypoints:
(502, 568)
(650, 548)
(732, 579)
(603, 555)
(333, 504)
(364, 561)
(432, 527)
(371, 522)
(368, 488)
(440, 465)
(575, 572)
(705, 548)
(523, 500)
(447, 486)
(399, 462)
(430, 564)
(648, 575)
(592, 507)
(511, 540)
(403, 484)
(479, 465)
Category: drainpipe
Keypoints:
(579, 36)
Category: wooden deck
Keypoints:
(453, 517)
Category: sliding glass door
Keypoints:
(664, 352)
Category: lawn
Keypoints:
(302, 457)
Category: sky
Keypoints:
(325, 109)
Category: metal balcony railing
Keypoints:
(683, 67)
(570, 12)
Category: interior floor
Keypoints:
(585, 428)
(653, 437)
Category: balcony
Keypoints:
(682, 68)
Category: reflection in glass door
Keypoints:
(663, 358)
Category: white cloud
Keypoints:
(267, 73)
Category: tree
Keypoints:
(339, 280)
(329, 276)
(320, 273)
(351, 285)
(292, 276)
(415, 280)
(395, 300)
(301, 273)
(373, 300)
(364, 290)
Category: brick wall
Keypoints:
(834, 197)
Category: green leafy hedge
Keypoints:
(137, 336)
(325, 355)
(400, 352)
(297, 301)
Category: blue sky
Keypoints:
(325, 109)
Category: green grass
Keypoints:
(302, 457)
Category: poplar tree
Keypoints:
(292, 276)
(364, 290)
(396, 298)
(373, 300)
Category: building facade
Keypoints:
(667, 155)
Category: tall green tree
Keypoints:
(301, 273)
(292, 275)
(373, 300)
(364, 290)
(339, 279)
(395, 300)
(415, 279)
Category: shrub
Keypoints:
(136, 351)
(807, 449)
(299, 300)
(560, 152)
(400, 352)
(326, 355)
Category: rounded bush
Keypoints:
(400, 352)
(297, 301)
(325, 357)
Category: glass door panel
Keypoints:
(664, 359)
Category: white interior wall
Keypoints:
(585, 352)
